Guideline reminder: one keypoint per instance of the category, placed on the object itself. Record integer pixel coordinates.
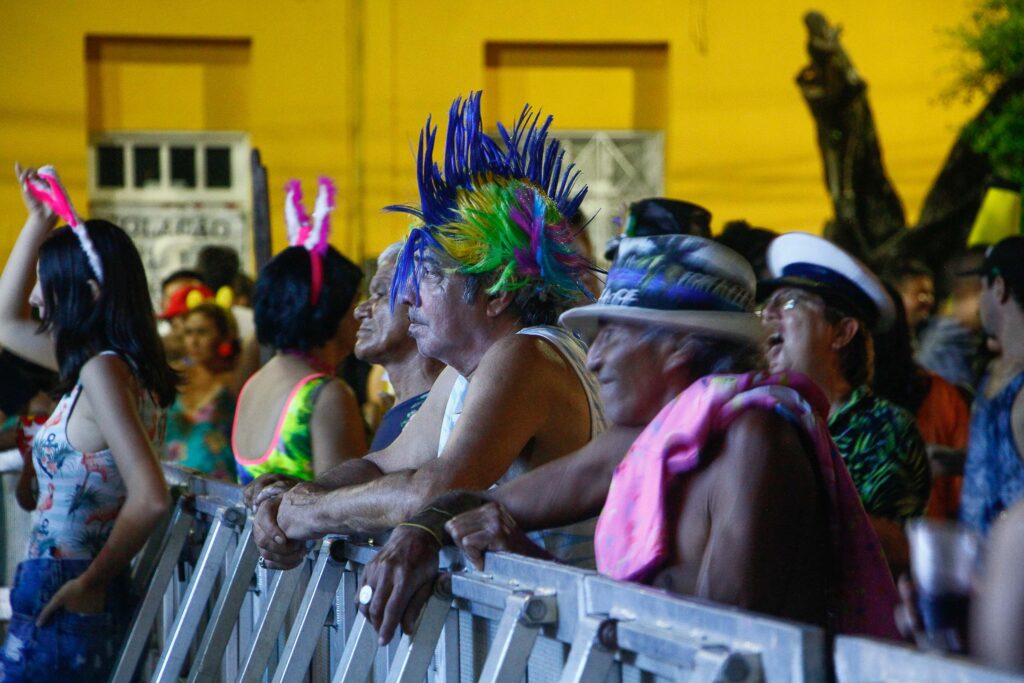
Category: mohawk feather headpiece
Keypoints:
(49, 190)
(497, 208)
(310, 234)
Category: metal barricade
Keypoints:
(210, 614)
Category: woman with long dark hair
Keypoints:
(100, 491)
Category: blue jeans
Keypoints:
(70, 646)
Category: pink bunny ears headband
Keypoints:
(310, 234)
(49, 190)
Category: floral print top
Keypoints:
(201, 438)
(80, 494)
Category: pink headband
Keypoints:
(310, 234)
(49, 190)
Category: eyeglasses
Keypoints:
(787, 300)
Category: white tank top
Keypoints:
(573, 544)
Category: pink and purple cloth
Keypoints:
(633, 539)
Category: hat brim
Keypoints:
(733, 325)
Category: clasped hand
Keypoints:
(279, 529)
(402, 575)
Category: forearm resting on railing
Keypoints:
(442, 509)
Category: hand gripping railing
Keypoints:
(519, 618)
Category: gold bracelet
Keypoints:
(425, 528)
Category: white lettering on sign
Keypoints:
(169, 236)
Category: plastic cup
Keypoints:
(943, 560)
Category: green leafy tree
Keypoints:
(993, 42)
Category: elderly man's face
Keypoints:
(630, 366)
(439, 320)
(799, 335)
(383, 334)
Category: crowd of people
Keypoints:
(749, 418)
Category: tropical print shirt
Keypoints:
(885, 454)
(80, 494)
(201, 438)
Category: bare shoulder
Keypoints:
(106, 370)
(335, 396)
(518, 353)
(761, 439)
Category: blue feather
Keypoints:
(406, 266)
(528, 155)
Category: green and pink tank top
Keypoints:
(291, 448)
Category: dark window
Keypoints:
(183, 166)
(110, 165)
(218, 167)
(147, 166)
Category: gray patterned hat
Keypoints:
(676, 281)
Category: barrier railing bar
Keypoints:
(446, 655)
(211, 559)
(788, 650)
(344, 614)
(589, 659)
(862, 660)
(226, 612)
(270, 624)
(358, 657)
(316, 603)
(414, 652)
(517, 632)
(138, 635)
(143, 570)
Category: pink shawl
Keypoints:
(633, 540)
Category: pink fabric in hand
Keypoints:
(633, 538)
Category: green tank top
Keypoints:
(291, 448)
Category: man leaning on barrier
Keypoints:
(486, 270)
(733, 491)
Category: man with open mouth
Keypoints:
(819, 310)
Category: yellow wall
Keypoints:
(342, 87)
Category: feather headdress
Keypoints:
(49, 190)
(310, 234)
(499, 207)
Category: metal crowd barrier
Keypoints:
(209, 613)
(863, 659)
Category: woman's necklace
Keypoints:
(314, 362)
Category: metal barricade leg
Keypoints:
(360, 648)
(145, 565)
(270, 624)
(135, 643)
(197, 595)
(344, 614)
(414, 652)
(589, 660)
(517, 631)
(206, 668)
(446, 656)
(316, 604)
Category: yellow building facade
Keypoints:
(342, 87)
